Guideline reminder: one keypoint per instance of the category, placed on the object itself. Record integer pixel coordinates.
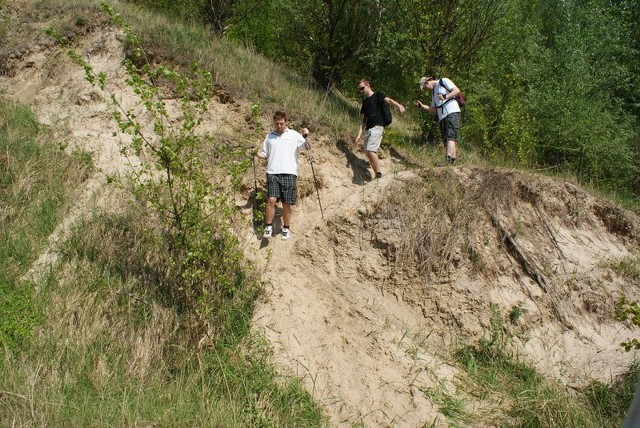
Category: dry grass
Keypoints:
(436, 216)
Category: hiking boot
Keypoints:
(268, 232)
(378, 175)
(286, 234)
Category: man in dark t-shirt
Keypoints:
(371, 123)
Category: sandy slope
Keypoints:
(372, 341)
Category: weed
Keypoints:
(448, 405)
(516, 312)
(628, 310)
(627, 267)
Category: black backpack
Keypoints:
(385, 110)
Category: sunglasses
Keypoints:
(361, 88)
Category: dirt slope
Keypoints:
(371, 337)
(373, 340)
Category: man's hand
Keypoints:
(419, 104)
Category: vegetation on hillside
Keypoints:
(551, 85)
(35, 187)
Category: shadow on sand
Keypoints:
(360, 167)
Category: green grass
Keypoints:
(527, 399)
(35, 187)
(111, 352)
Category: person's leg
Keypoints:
(452, 150)
(443, 135)
(286, 215)
(273, 194)
(374, 161)
(452, 127)
(289, 198)
(270, 210)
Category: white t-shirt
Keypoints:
(281, 151)
(449, 106)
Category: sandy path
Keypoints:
(360, 351)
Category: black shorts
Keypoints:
(449, 127)
(283, 187)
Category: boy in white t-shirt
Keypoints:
(280, 148)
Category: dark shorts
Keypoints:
(449, 127)
(283, 187)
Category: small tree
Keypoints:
(203, 264)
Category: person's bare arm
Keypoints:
(396, 104)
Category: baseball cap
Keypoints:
(424, 80)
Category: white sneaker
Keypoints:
(286, 234)
(268, 232)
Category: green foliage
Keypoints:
(493, 348)
(447, 404)
(612, 400)
(550, 85)
(326, 38)
(628, 310)
(264, 402)
(628, 267)
(547, 92)
(192, 10)
(125, 358)
(18, 311)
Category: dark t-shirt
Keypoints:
(371, 108)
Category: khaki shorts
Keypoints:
(373, 138)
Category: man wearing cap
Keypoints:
(443, 93)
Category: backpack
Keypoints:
(386, 113)
(459, 98)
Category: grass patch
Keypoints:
(435, 214)
(532, 400)
(611, 401)
(626, 267)
(36, 179)
(241, 73)
(113, 351)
